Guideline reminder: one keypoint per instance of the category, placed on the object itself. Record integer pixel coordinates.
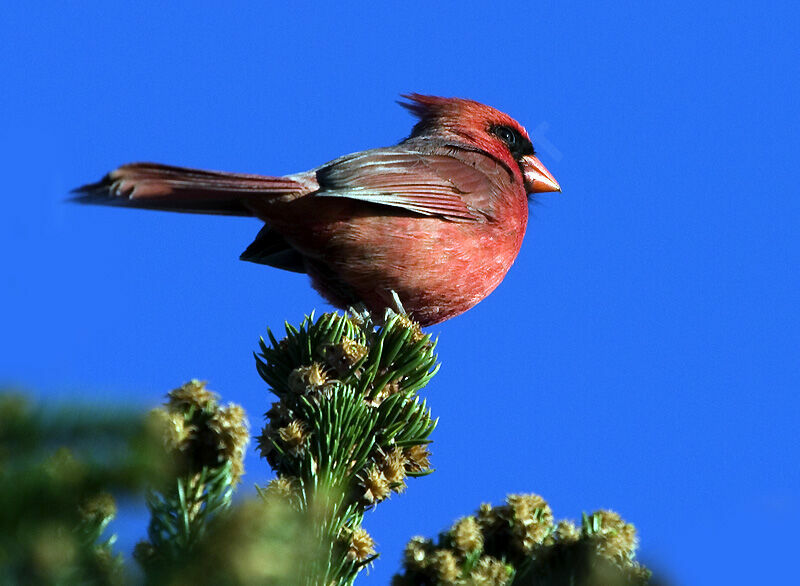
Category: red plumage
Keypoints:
(438, 218)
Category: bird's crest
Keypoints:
(423, 106)
(436, 112)
(466, 118)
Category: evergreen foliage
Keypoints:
(347, 430)
(57, 469)
(348, 427)
(519, 544)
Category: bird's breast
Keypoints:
(438, 268)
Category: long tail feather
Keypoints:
(164, 187)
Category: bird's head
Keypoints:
(484, 127)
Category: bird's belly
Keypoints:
(439, 269)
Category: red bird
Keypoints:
(438, 218)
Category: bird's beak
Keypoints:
(537, 178)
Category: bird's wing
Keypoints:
(448, 183)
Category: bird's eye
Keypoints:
(507, 135)
(517, 144)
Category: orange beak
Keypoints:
(537, 178)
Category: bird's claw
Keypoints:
(395, 307)
(361, 313)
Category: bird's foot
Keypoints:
(360, 313)
(395, 307)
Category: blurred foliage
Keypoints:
(204, 443)
(56, 472)
(257, 542)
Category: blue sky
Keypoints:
(643, 352)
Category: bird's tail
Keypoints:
(163, 187)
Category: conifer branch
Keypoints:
(205, 446)
(348, 428)
(519, 544)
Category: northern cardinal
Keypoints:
(438, 218)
